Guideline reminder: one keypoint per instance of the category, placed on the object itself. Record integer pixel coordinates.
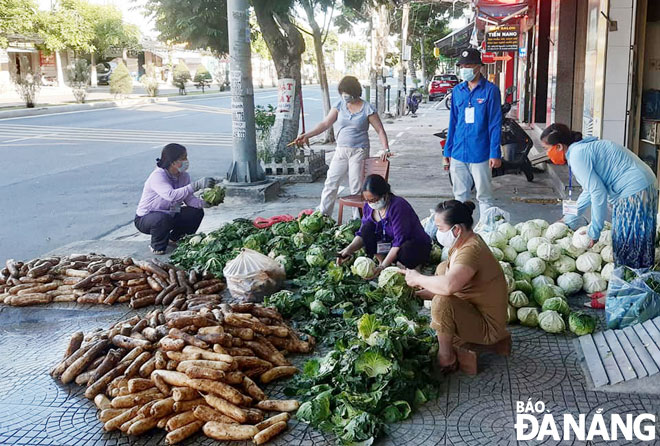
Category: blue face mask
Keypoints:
(467, 74)
(184, 166)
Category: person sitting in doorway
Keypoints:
(168, 208)
(469, 292)
(391, 231)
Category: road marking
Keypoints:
(175, 116)
(22, 139)
(398, 135)
(42, 144)
(408, 128)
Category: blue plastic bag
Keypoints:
(631, 301)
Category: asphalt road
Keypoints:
(78, 176)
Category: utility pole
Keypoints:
(421, 51)
(405, 14)
(245, 169)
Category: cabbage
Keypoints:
(393, 282)
(543, 293)
(318, 308)
(589, 262)
(286, 262)
(534, 267)
(551, 271)
(606, 272)
(196, 240)
(364, 267)
(518, 244)
(534, 243)
(542, 280)
(524, 286)
(529, 231)
(570, 282)
(510, 254)
(556, 231)
(581, 323)
(511, 314)
(593, 283)
(558, 291)
(507, 230)
(605, 238)
(557, 304)
(508, 271)
(520, 225)
(315, 257)
(570, 249)
(345, 234)
(312, 224)
(301, 240)
(541, 224)
(497, 253)
(214, 195)
(597, 248)
(551, 322)
(436, 254)
(518, 299)
(548, 252)
(495, 239)
(581, 238)
(528, 316)
(564, 264)
(510, 284)
(523, 258)
(607, 254)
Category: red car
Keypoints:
(441, 85)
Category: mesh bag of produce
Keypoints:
(251, 276)
(633, 296)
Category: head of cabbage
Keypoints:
(534, 267)
(436, 254)
(542, 280)
(540, 223)
(495, 239)
(543, 293)
(510, 283)
(511, 314)
(301, 240)
(593, 283)
(506, 268)
(523, 258)
(550, 271)
(556, 231)
(393, 282)
(606, 272)
(529, 231)
(534, 243)
(497, 253)
(507, 230)
(564, 264)
(510, 254)
(364, 267)
(581, 238)
(569, 249)
(581, 323)
(570, 282)
(524, 286)
(548, 252)
(550, 321)
(607, 254)
(589, 262)
(528, 316)
(518, 299)
(518, 243)
(557, 304)
(312, 224)
(315, 257)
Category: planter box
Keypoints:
(308, 170)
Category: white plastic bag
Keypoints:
(491, 219)
(251, 276)
(429, 224)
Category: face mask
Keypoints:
(467, 74)
(446, 239)
(380, 204)
(556, 154)
(184, 166)
(347, 97)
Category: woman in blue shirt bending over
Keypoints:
(351, 117)
(608, 171)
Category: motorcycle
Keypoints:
(448, 100)
(515, 143)
(412, 101)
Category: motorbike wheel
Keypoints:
(448, 102)
(528, 170)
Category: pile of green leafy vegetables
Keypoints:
(379, 367)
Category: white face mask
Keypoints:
(380, 204)
(447, 238)
(347, 97)
(467, 74)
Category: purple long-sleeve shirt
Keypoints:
(400, 223)
(164, 192)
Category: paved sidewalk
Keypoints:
(471, 411)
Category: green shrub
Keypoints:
(78, 76)
(203, 78)
(181, 76)
(121, 83)
(150, 80)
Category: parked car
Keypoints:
(441, 84)
(103, 72)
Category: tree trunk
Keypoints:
(93, 78)
(320, 65)
(286, 46)
(60, 70)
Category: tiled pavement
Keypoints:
(480, 410)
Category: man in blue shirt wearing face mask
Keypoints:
(473, 139)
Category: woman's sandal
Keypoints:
(156, 251)
(448, 369)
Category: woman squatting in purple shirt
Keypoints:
(161, 212)
(390, 231)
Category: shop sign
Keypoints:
(522, 51)
(502, 38)
(488, 58)
(286, 89)
(46, 60)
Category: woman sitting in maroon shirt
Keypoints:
(390, 231)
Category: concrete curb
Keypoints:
(38, 111)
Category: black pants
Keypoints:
(412, 253)
(164, 227)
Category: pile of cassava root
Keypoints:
(186, 371)
(103, 280)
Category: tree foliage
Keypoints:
(78, 76)
(16, 17)
(202, 78)
(181, 76)
(121, 83)
(65, 28)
